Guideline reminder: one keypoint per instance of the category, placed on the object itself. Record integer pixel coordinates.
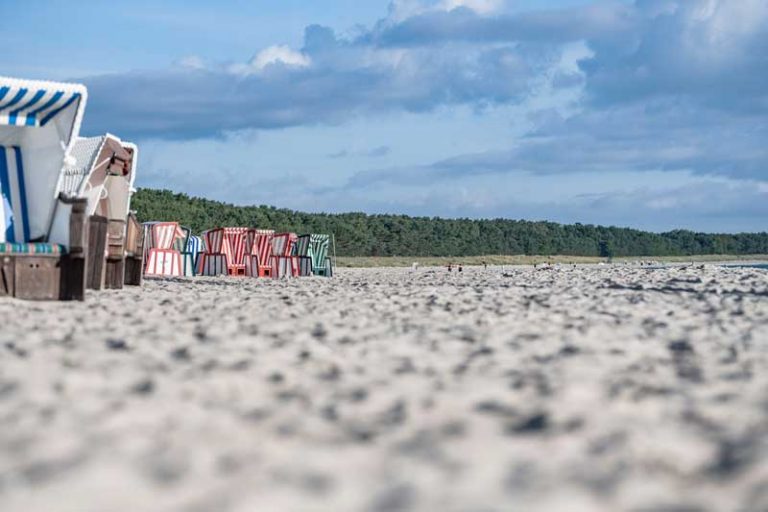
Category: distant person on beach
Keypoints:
(450, 267)
(461, 269)
(485, 266)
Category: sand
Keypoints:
(579, 389)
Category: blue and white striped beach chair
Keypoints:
(193, 245)
(41, 248)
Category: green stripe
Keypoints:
(26, 249)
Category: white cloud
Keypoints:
(401, 10)
(272, 55)
(191, 62)
(479, 6)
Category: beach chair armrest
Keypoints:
(78, 232)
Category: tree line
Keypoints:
(360, 234)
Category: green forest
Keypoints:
(360, 234)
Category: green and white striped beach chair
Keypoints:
(313, 253)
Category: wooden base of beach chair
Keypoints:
(114, 276)
(42, 277)
(73, 277)
(134, 270)
(134, 251)
(47, 276)
(97, 246)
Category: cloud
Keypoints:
(437, 26)
(658, 136)
(712, 51)
(377, 152)
(273, 55)
(658, 89)
(480, 6)
(328, 81)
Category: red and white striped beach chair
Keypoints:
(285, 263)
(258, 257)
(224, 248)
(163, 258)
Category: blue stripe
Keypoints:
(48, 104)
(15, 99)
(37, 97)
(53, 113)
(22, 193)
(5, 186)
(4, 91)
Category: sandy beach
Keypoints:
(579, 389)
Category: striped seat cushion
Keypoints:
(24, 248)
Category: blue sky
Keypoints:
(645, 113)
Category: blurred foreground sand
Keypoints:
(594, 388)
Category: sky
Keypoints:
(650, 114)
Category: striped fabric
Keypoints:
(314, 247)
(14, 212)
(212, 264)
(180, 243)
(188, 265)
(24, 248)
(194, 245)
(33, 103)
(192, 248)
(305, 266)
(252, 266)
(285, 266)
(320, 244)
(230, 242)
(160, 254)
(259, 252)
(303, 246)
(163, 235)
(284, 244)
(164, 263)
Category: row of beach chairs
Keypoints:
(65, 220)
(171, 250)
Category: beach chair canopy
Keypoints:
(39, 122)
(103, 169)
(162, 235)
(230, 241)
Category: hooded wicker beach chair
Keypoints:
(103, 169)
(191, 246)
(225, 250)
(312, 251)
(258, 258)
(43, 232)
(162, 256)
(285, 262)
